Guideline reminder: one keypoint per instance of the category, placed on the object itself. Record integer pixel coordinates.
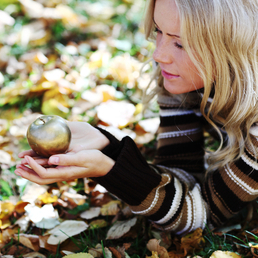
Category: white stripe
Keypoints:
(198, 207)
(175, 203)
(181, 175)
(240, 182)
(189, 216)
(179, 133)
(169, 112)
(155, 200)
(249, 162)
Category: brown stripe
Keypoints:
(218, 202)
(150, 197)
(238, 191)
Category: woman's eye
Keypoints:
(178, 45)
(157, 30)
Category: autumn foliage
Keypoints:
(83, 61)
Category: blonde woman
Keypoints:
(207, 78)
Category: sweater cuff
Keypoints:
(113, 148)
(131, 179)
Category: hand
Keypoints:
(83, 159)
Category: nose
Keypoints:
(162, 54)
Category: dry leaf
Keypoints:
(6, 209)
(154, 254)
(111, 208)
(34, 255)
(120, 228)
(30, 241)
(19, 206)
(65, 230)
(79, 255)
(98, 223)
(224, 254)
(91, 213)
(154, 246)
(116, 113)
(192, 241)
(47, 197)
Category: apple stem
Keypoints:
(42, 120)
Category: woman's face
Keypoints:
(179, 73)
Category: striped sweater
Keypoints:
(169, 191)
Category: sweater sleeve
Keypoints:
(230, 189)
(163, 192)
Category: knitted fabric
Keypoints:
(167, 191)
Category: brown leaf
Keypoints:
(19, 207)
(30, 241)
(120, 228)
(192, 241)
(154, 246)
(115, 252)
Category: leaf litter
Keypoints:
(82, 60)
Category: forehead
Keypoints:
(166, 15)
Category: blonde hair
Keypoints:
(221, 38)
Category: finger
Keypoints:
(30, 175)
(41, 161)
(27, 153)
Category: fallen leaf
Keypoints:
(6, 209)
(192, 241)
(20, 206)
(116, 113)
(33, 255)
(154, 246)
(43, 217)
(120, 228)
(98, 223)
(65, 230)
(47, 198)
(224, 254)
(111, 208)
(154, 254)
(91, 213)
(79, 255)
(30, 241)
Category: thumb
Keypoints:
(62, 159)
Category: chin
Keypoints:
(173, 88)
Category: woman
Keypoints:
(207, 78)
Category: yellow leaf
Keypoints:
(111, 208)
(5, 223)
(224, 254)
(153, 255)
(47, 198)
(192, 241)
(154, 246)
(6, 210)
(98, 223)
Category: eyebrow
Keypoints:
(171, 35)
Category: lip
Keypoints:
(169, 76)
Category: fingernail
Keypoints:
(54, 160)
(27, 159)
(17, 172)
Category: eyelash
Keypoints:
(176, 44)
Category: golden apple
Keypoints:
(49, 135)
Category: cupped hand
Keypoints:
(65, 167)
(83, 158)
